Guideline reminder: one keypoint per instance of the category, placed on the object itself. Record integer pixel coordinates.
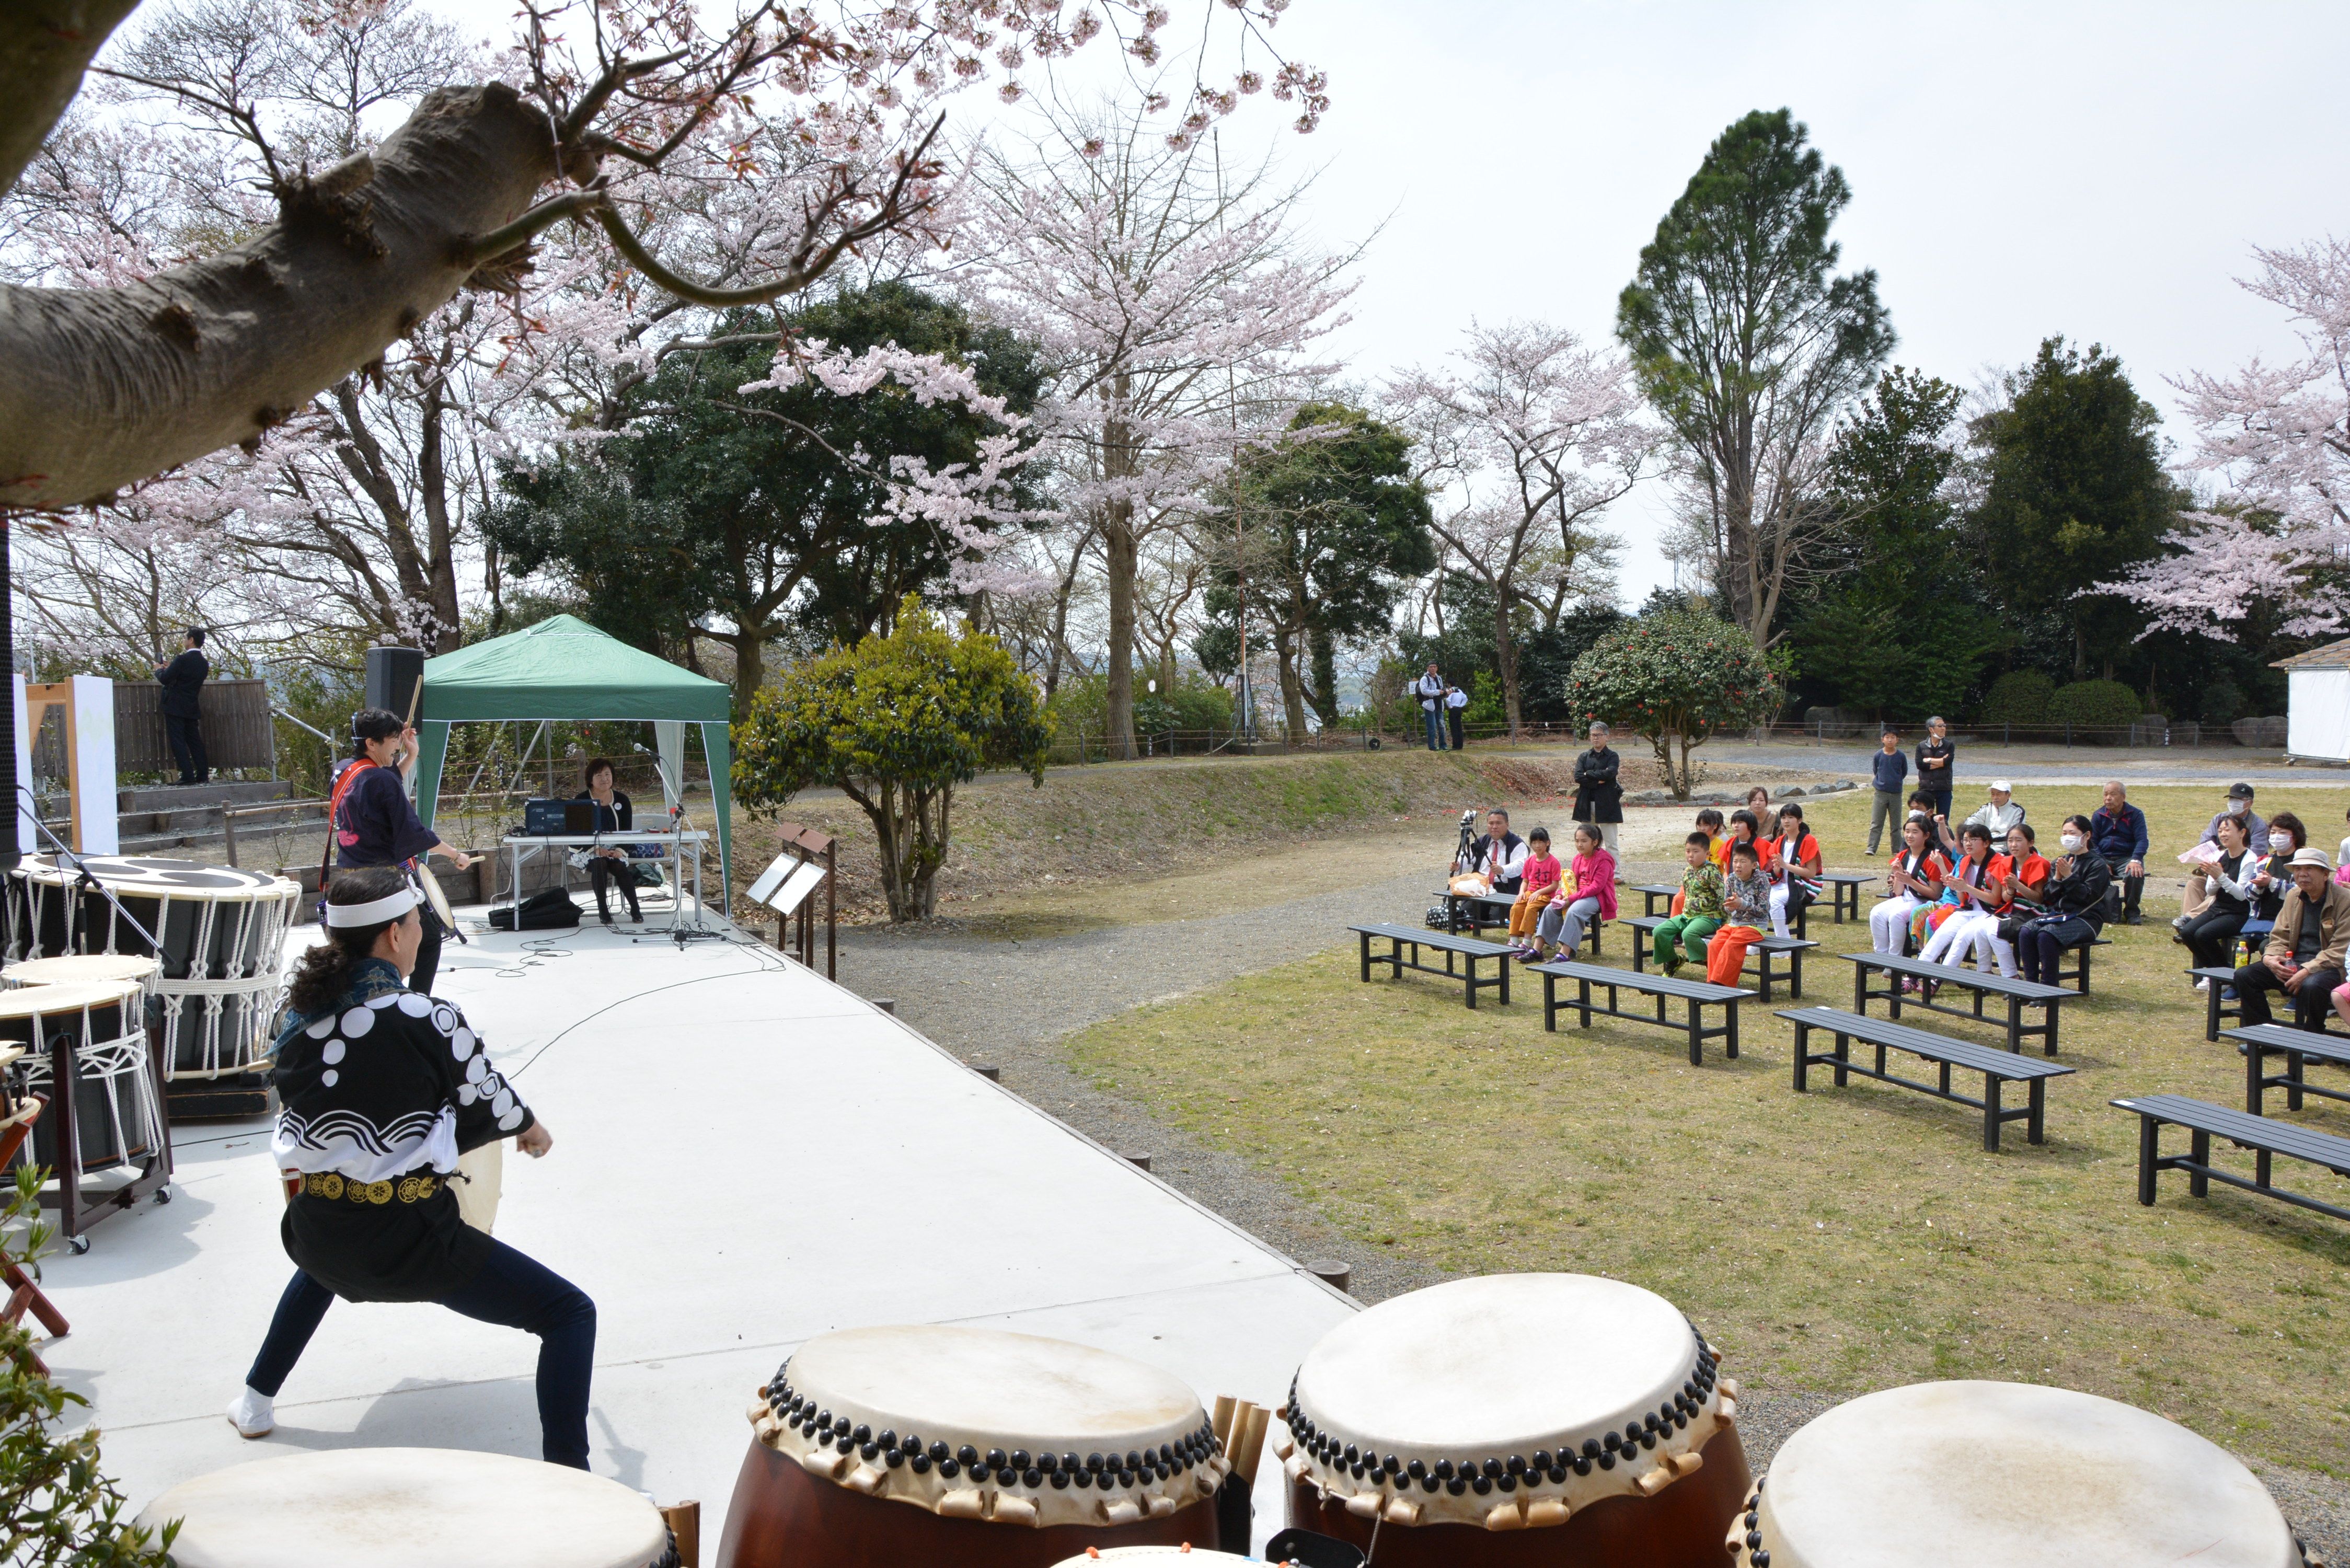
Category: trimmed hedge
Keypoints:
(2019, 696)
(2095, 705)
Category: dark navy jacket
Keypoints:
(2120, 837)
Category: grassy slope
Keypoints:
(1844, 1239)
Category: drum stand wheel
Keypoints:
(76, 1245)
(162, 1195)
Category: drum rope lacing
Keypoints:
(1383, 1481)
(1129, 1482)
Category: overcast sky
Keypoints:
(2099, 171)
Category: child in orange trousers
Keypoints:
(1540, 880)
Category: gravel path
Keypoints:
(1008, 1003)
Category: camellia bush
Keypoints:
(1675, 679)
(895, 722)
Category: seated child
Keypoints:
(1681, 938)
(1538, 882)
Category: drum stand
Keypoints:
(76, 1215)
(24, 1295)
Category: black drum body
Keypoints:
(115, 1119)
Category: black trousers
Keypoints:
(2210, 936)
(1452, 716)
(428, 955)
(187, 738)
(2311, 991)
(2122, 898)
(601, 872)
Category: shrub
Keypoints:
(1674, 677)
(2094, 705)
(2223, 703)
(896, 723)
(2019, 696)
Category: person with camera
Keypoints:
(1500, 856)
(1429, 689)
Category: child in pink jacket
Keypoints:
(1588, 891)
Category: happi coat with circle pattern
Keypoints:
(387, 1087)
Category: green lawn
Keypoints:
(1842, 1241)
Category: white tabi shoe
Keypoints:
(252, 1414)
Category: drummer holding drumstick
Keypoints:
(383, 1090)
(376, 825)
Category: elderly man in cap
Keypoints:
(2305, 954)
(2240, 807)
(1999, 815)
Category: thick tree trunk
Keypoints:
(1120, 557)
(103, 386)
(1322, 691)
(1292, 695)
(750, 666)
(45, 47)
(1505, 652)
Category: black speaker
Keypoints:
(392, 674)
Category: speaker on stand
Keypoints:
(393, 675)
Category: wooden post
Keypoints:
(228, 829)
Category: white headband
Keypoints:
(375, 911)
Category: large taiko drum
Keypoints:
(1559, 1419)
(2010, 1473)
(220, 939)
(1013, 1452)
(405, 1508)
(1154, 1557)
(118, 1117)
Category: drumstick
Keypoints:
(1222, 1421)
(1251, 1444)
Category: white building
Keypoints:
(2318, 704)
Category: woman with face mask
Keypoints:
(2072, 905)
(2283, 835)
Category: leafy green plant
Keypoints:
(2223, 703)
(1675, 677)
(2019, 696)
(58, 1509)
(895, 722)
(2094, 705)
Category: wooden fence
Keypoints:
(236, 729)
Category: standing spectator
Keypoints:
(1586, 893)
(1999, 813)
(2119, 829)
(1500, 856)
(2305, 950)
(1891, 768)
(1698, 909)
(1429, 689)
(2072, 906)
(1598, 797)
(1454, 700)
(183, 681)
(1937, 764)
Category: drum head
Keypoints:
(998, 1426)
(397, 1508)
(1170, 1556)
(1569, 1386)
(149, 875)
(2015, 1473)
(56, 1001)
(71, 968)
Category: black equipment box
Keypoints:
(547, 818)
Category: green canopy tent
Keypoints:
(565, 670)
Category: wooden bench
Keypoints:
(1998, 1067)
(2264, 1138)
(2299, 1047)
(1765, 955)
(2018, 993)
(1499, 904)
(1844, 892)
(1418, 937)
(1698, 993)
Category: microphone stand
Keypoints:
(67, 856)
(680, 931)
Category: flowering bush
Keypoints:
(895, 722)
(1675, 677)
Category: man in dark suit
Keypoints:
(183, 681)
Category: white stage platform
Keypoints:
(745, 1155)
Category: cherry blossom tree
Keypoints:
(103, 386)
(1178, 312)
(2276, 438)
(1525, 445)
